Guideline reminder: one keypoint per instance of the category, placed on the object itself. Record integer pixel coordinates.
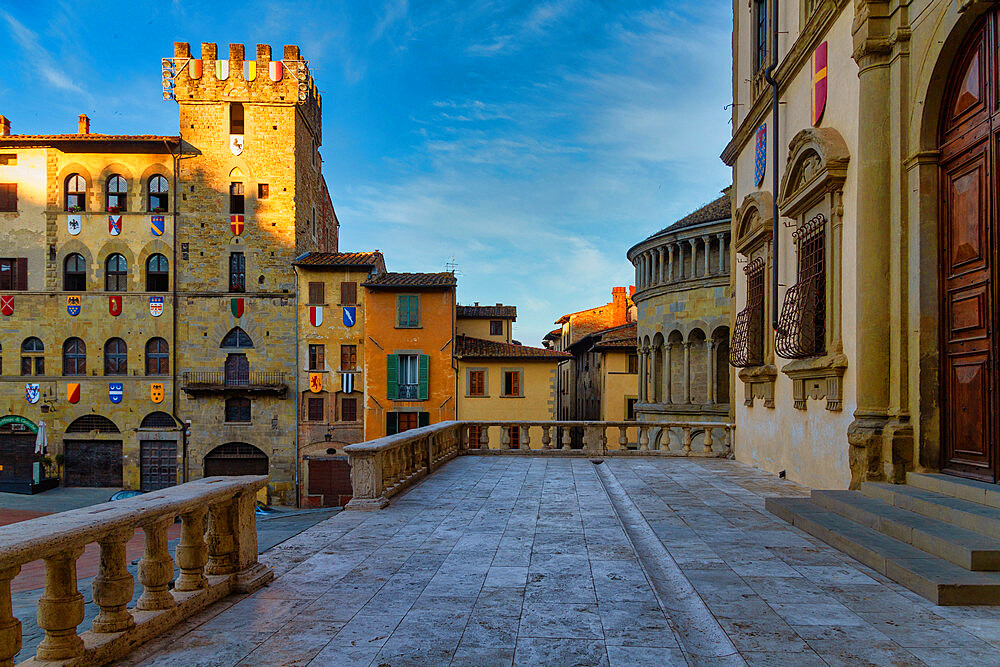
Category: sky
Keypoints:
(529, 143)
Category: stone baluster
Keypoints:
(604, 438)
(706, 241)
(567, 439)
(667, 372)
(687, 372)
(221, 543)
(250, 574)
(710, 352)
(525, 436)
(664, 440)
(60, 609)
(10, 627)
(484, 437)
(192, 552)
(694, 257)
(504, 438)
(643, 438)
(729, 441)
(546, 438)
(686, 440)
(156, 568)
(113, 586)
(623, 438)
(708, 439)
(722, 252)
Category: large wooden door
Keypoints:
(968, 255)
(93, 463)
(157, 464)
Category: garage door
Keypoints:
(235, 458)
(330, 481)
(93, 462)
(157, 464)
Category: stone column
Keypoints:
(192, 552)
(722, 252)
(156, 568)
(113, 586)
(60, 608)
(710, 350)
(687, 371)
(706, 242)
(10, 627)
(649, 269)
(694, 257)
(670, 262)
(663, 265)
(667, 365)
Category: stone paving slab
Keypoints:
(522, 561)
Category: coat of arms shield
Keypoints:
(73, 304)
(116, 391)
(6, 305)
(760, 156)
(115, 305)
(156, 392)
(156, 306)
(114, 225)
(350, 316)
(73, 224)
(31, 392)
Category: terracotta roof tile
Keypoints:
(487, 312)
(479, 348)
(720, 209)
(444, 279)
(624, 336)
(34, 138)
(339, 259)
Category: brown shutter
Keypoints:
(21, 277)
(348, 294)
(317, 293)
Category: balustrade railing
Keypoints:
(215, 557)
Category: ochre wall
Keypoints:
(538, 378)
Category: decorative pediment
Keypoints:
(817, 164)
(754, 220)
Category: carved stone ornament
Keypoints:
(817, 164)
(758, 382)
(754, 221)
(816, 378)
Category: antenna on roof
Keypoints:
(451, 266)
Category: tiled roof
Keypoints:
(477, 348)
(624, 336)
(27, 138)
(338, 259)
(486, 312)
(720, 209)
(444, 279)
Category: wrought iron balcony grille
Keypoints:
(407, 392)
(747, 345)
(802, 323)
(235, 378)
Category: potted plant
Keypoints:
(60, 458)
(46, 466)
(113, 210)
(75, 208)
(159, 209)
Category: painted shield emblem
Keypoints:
(236, 306)
(156, 306)
(819, 86)
(195, 68)
(73, 392)
(221, 70)
(315, 315)
(73, 305)
(236, 224)
(115, 305)
(277, 70)
(315, 382)
(156, 392)
(73, 224)
(31, 393)
(347, 382)
(236, 143)
(760, 156)
(116, 391)
(156, 225)
(114, 225)
(6, 305)
(350, 315)
(249, 70)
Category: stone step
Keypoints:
(982, 519)
(964, 548)
(934, 578)
(958, 487)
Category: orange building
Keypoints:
(410, 372)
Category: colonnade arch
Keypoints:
(685, 367)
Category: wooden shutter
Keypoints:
(391, 423)
(391, 375)
(402, 314)
(21, 273)
(422, 377)
(8, 197)
(424, 419)
(348, 294)
(317, 293)
(414, 311)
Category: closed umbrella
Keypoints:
(42, 440)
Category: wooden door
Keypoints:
(93, 463)
(237, 369)
(969, 177)
(157, 464)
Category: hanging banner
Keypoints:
(350, 316)
(73, 224)
(73, 392)
(315, 382)
(73, 305)
(32, 393)
(236, 224)
(156, 306)
(6, 305)
(760, 156)
(114, 225)
(221, 70)
(315, 315)
(236, 306)
(116, 391)
(347, 382)
(819, 83)
(156, 392)
(249, 70)
(115, 305)
(276, 70)
(157, 225)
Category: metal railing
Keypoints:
(407, 392)
(235, 378)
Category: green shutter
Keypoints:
(402, 315)
(392, 376)
(414, 311)
(391, 423)
(424, 419)
(422, 376)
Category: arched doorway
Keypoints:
(969, 141)
(235, 458)
(93, 452)
(17, 451)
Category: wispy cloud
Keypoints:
(51, 71)
(514, 33)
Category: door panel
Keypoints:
(93, 462)
(157, 464)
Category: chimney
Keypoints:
(477, 303)
(84, 124)
(499, 304)
(4, 126)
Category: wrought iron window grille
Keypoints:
(802, 323)
(747, 346)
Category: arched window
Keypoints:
(32, 357)
(158, 420)
(115, 357)
(75, 273)
(117, 194)
(236, 337)
(237, 409)
(159, 191)
(157, 357)
(157, 276)
(115, 274)
(76, 193)
(74, 357)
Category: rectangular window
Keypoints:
(236, 198)
(512, 383)
(496, 327)
(8, 197)
(477, 383)
(349, 409)
(236, 118)
(633, 364)
(14, 273)
(315, 409)
(348, 294)
(317, 293)
(262, 192)
(317, 357)
(802, 325)
(630, 408)
(408, 420)
(747, 347)
(237, 409)
(237, 272)
(407, 311)
(760, 34)
(348, 357)
(408, 378)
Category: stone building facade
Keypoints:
(683, 301)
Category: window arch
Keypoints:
(116, 274)
(159, 194)
(158, 420)
(236, 337)
(76, 193)
(157, 273)
(74, 357)
(75, 273)
(32, 357)
(117, 193)
(237, 409)
(115, 357)
(157, 357)
(88, 423)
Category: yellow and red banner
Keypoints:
(315, 382)
(73, 392)
(819, 83)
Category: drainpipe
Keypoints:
(298, 491)
(173, 343)
(769, 78)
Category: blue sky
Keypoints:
(533, 141)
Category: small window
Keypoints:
(115, 357)
(157, 357)
(236, 337)
(14, 273)
(512, 383)
(317, 357)
(236, 198)
(238, 409)
(496, 327)
(157, 273)
(630, 408)
(315, 409)
(348, 357)
(75, 273)
(74, 357)
(237, 272)
(349, 409)
(159, 194)
(760, 34)
(407, 311)
(235, 118)
(348, 294)
(633, 364)
(8, 159)
(477, 383)
(8, 197)
(76, 193)
(317, 293)
(408, 421)
(32, 357)
(117, 194)
(115, 274)
(262, 192)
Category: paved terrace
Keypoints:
(521, 560)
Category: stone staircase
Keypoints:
(937, 535)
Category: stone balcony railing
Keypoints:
(214, 560)
(382, 468)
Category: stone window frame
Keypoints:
(520, 381)
(813, 183)
(468, 382)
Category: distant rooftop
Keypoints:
(715, 211)
(479, 348)
(443, 279)
(330, 259)
(487, 312)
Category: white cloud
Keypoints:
(42, 61)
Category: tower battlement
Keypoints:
(265, 80)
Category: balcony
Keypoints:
(407, 392)
(234, 382)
